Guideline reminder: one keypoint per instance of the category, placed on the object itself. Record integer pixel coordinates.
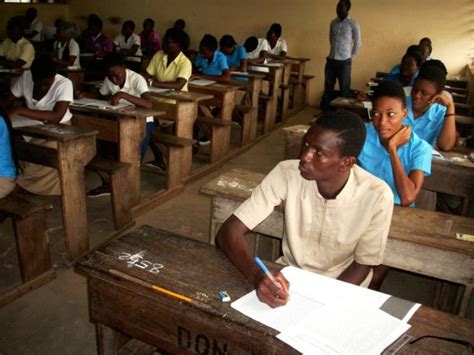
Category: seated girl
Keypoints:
(7, 164)
(66, 49)
(47, 96)
(409, 67)
(210, 63)
(236, 55)
(431, 113)
(128, 42)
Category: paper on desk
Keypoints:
(367, 104)
(259, 69)
(101, 104)
(159, 90)
(22, 121)
(202, 82)
(338, 329)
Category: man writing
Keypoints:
(337, 215)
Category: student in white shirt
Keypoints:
(47, 96)
(124, 85)
(66, 49)
(257, 49)
(34, 32)
(128, 43)
(278, 47)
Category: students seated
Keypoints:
(210, 63)
(16, 51)
(337, 215)
(278, 47)
(431, 113)
(409, 67)
(124, 85)
(392, 151)
(66, 49)
(127, 42)
(34, 31)
(180, 24)
(257, 49)
(236, 55)
(411, 49)
(7, 163)
(96, 41)
(426, 48)
(150, 40)
(47, 95)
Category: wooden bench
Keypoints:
(248, 132)
(32, 244)
(417, 241)
(267, 115)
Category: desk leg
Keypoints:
(109, 341)
(186, 114)
(131, 134)
(73, 156)
(300, 93)
(228, 105)
(255, 92)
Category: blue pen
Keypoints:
(267, 272)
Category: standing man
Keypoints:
(344, 38)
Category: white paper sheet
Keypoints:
(202, 82)
(259, 69)
(159, 90)
(101, 104)
(22, 121)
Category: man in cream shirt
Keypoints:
(337, 215)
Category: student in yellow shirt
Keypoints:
(16, 51)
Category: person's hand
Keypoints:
(12, 112)
(442, 98)
(268, 293)
(400, 138)
(361, 96)
(114, 100)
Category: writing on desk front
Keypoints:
(136, 260)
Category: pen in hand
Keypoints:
(267, 272)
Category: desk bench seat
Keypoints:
(248, 132)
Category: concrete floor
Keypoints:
(54, 319)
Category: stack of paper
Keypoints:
(324, 315)
(202, 82)
(159, 90)
(101, 104)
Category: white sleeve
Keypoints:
(18, 88)
(74, 50)
(64, 91)
(105, 88)
(265, 46)
(140, 84)
(38, 27)
(137, 40)
(284, 46)
(117, 40)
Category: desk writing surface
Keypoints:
(56, 132)
(182, 96)
(218, 87)
(133, 112)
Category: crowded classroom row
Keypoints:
(353, 173)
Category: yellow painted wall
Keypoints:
(46, 12)
(388, 26)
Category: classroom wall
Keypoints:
(388, 27)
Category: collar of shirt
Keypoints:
(343, 195)
(175, 61)
(424, 115)
(348, 18)
(97, 37)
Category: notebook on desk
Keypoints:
(100, 104)
(202, 82)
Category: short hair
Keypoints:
(347, 3)
(434, 75)
(97, 22)
(437, 63)
(181, 22)
(390, 88)
(425, 45)
(416, 56)
(68, 27)
(32, 11)
(414, 48)
(42, 68)
(349, 128)
(251, 44)
(112, 59)
(276, 29)
(425, 40)
(16, 21)
(227, 41)
(208, 41)
(129, 23)
(176, 35)
(149, 20)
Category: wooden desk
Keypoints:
(124, 127)
(183, 113)
(75, 149)
(122, 307)
(352, 105)
(285, 88)
(300, 92)
(416, 240)
(224, 98)
(75, 75)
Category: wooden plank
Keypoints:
(56, 132)
(17, 206)
(107, 129)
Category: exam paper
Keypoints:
(101, 104)
(22, 121)
(159, 90)
(202, 82)
(259, 69)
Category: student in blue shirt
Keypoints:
(392, 152)
(431, 112)
(236, 55)
(211, 63)
(411, 49)
(7, 164)
(409, 67)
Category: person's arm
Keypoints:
(356, 38)
(144, 100)
(355, 273)
(13, 64)
(177, 85)
(8, 102)
(447, 137)
(223, 78)
(230, 239)
(129, 51)
(31, 35)
(54, 116)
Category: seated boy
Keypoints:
(34, 32)
(150, 40)
(257, 49)
(409, 67)
(47, 96)
(431, 113)
(180, 24)
(127, 42)
(66, 49)
(337, 215)
(236, 55)
(96, 41)
(278, 46)
(16, 51)
(210, 63)
(122, 84)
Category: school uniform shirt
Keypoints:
(234, 59)
(7, 165)
(135, 85)
(324, 236)
(126, 43)
(427, 126)
(215, 67)
(73, 49)
(152, 40)
(180, 67)
(280, 46)
(344, 38)
(37, 26)
(61, 90)
(99, 43)
(395, 69)
(22, 49)
(397, 77)
(261, 46)
(414, 155)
